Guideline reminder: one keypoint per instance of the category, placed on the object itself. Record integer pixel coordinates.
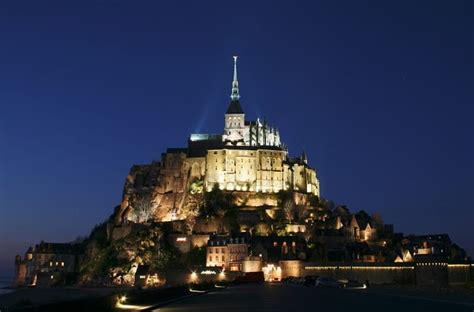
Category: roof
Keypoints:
(224, 240)
(58, 248)
(234, 108)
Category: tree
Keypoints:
(142, 209)
(314, 201)
(289, 209)
(286, 202)
(218, 202)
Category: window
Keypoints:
(217, 258)
(62, 264)
(223, 258)
(210, 258)
(223, 251)
(210, 250)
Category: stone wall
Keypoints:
(182, 277)
(199, 240)
(377, 273)
(460, 274)
(252, 265)
(431, 274)
(291, 268)
(184, 243)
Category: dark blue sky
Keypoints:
(380, 94)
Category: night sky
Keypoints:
(379, 94)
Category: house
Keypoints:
(227, 252)
(275, 248)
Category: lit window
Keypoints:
(50, 264)
(275, 244)
(62, 264)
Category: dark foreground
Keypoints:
(263, 297)
(296, 298)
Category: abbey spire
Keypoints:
(235, 96)
(234, 106)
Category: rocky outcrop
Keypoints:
(158, 192)
(172, 190)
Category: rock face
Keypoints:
(168, 190)
(158, 191)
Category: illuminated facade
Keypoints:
(248, 156)
(227, 253)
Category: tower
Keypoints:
(234, 130)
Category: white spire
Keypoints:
(235, 83)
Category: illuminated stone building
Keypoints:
(49, 262)
(227, 252)
(248, 156)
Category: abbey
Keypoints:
(248, 156)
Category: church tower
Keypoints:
(234, 130)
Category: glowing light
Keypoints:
(120, 305)
(359, 268)
(459, 265)
(208, 272)
(181, 239)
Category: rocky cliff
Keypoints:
(158, 193)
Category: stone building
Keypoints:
(227, 252)
(48, 264)
(248, 157)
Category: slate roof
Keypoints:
(59, 248)
(235, 108)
